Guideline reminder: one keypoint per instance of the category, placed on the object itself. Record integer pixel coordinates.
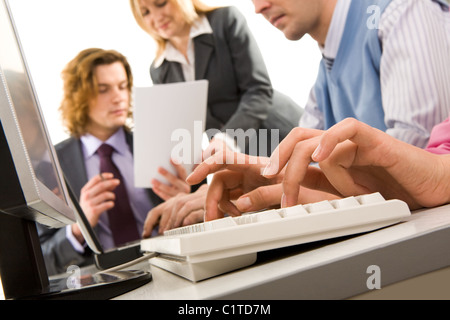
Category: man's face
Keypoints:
(109, 110)
(294, 18)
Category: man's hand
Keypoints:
(96, 197)
(177, 183)
(181, 210)
(236, 175)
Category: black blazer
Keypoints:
(240, 94)
(57, 250)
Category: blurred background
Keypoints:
(52, 32)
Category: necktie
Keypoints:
(121, 220)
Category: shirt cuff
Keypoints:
(73, 241)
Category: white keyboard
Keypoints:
(211, 248)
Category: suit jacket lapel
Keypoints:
(170, 72)
(204, 47)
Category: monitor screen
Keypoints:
(26, 141)
(33, 189)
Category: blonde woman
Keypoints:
(195, 41)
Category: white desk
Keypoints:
(326, 270)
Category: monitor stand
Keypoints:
(24, 276)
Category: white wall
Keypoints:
(53, 31)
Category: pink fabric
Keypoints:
(440, 138)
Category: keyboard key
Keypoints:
(201, 227)
(349, 202)
(220, 224)
(247, 218)
(371, 198)
(319, 206)
(294, 211)
(267, 216)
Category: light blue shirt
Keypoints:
(413, 84)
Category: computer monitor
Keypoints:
(33, 188)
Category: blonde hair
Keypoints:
(80, 86)
(190, 10)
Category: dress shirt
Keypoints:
(123, 158)
(200, 26)
(414, 89)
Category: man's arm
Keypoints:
(356, 159)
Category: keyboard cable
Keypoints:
(146, 256)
